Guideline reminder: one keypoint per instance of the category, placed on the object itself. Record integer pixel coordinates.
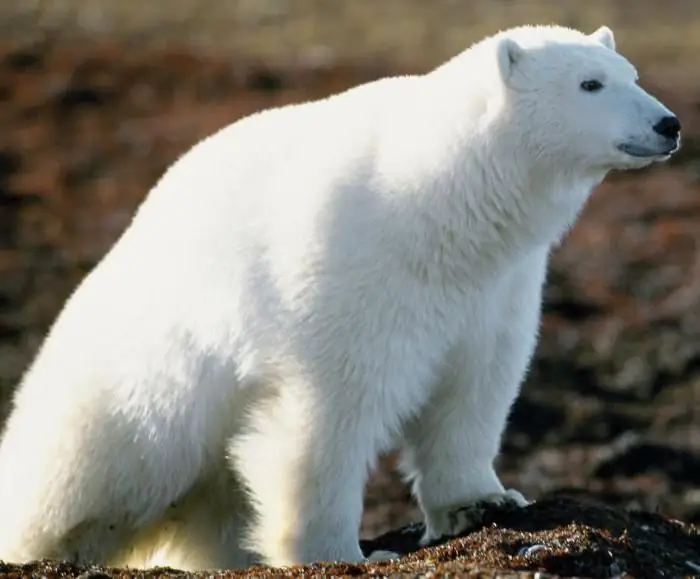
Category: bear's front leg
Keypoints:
(450, 448)
(304, 458)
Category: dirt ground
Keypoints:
(611, 408)
(551, 538)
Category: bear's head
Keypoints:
(579, 100)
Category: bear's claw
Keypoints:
(454, 521)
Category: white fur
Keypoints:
(307, 288)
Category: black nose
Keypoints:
(669, 127)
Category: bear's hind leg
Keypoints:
(203, 530)
(43, 520)
(78, 487)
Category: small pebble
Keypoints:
(525, 551)
(694, 566)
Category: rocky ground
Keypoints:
(551, 538)
(611, 409)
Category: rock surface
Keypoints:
(551, 538)
(611, 407)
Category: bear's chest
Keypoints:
(509, 305)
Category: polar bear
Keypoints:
(307, 288)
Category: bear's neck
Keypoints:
(482, 200)
(504, 210)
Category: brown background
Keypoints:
(98, 97)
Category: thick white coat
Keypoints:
(304, 290)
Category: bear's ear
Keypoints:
(605, 36)
(509, 52)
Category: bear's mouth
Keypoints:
(634, 150)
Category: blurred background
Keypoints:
(98, 97)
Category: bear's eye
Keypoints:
(591, 85)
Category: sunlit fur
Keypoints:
(310, 287)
